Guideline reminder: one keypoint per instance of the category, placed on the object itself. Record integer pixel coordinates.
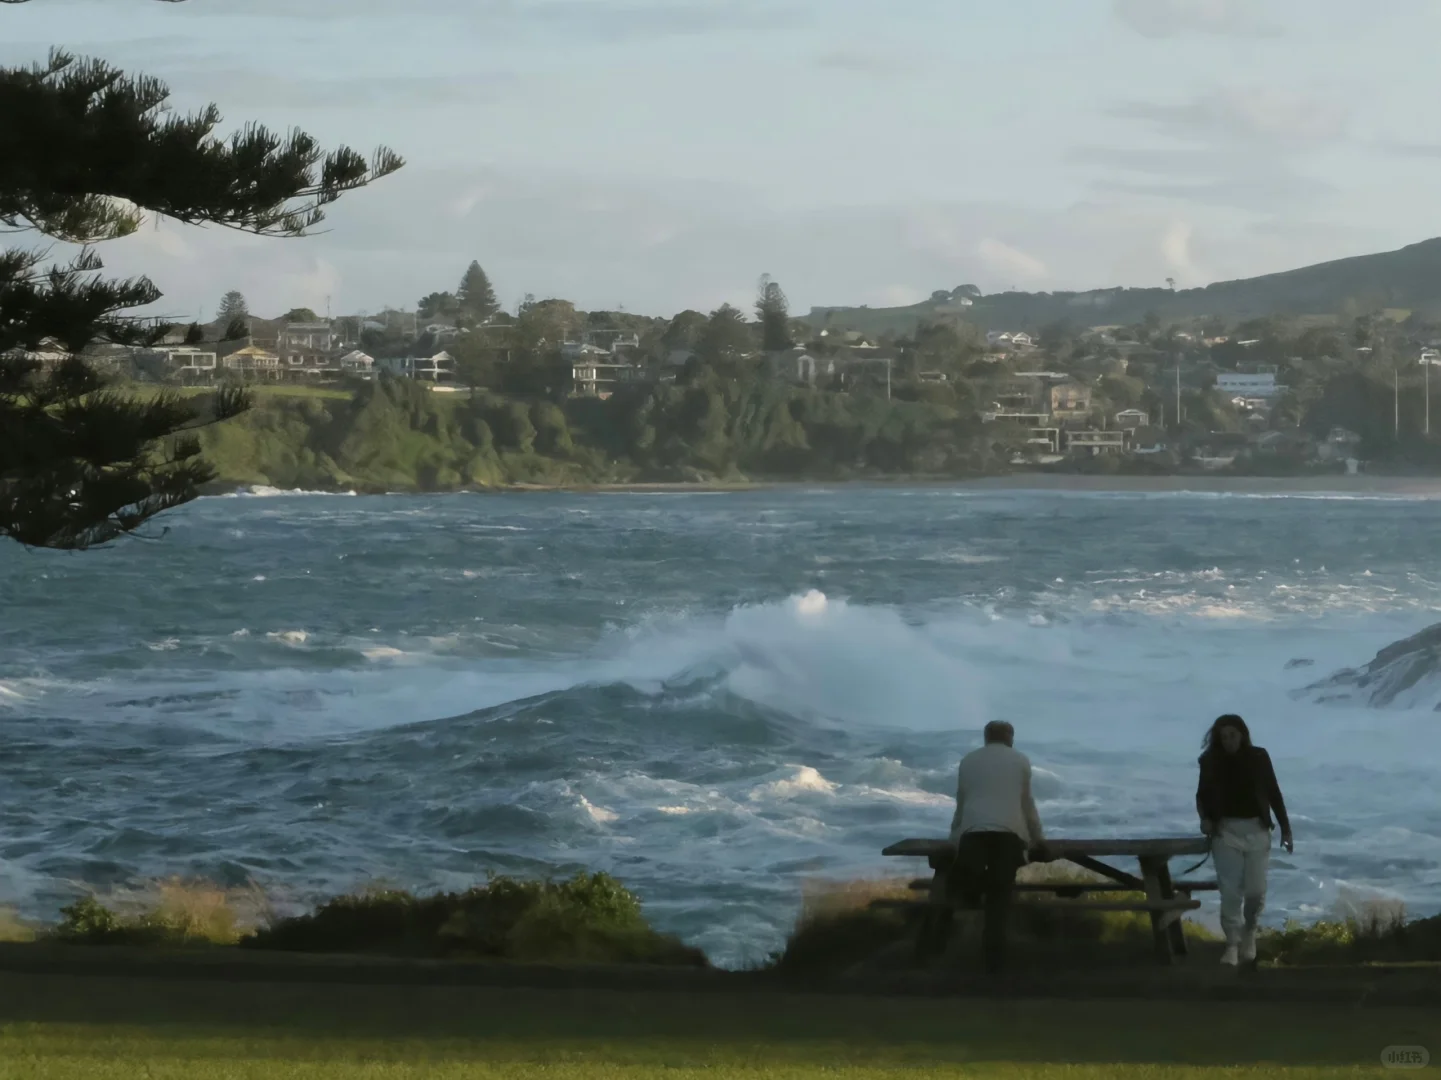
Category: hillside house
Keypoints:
(1070, 400)
(599, 378)
(48, 355)
(358, 363)
(1092, 441)
(1238, 385)
(307, 349)
(1148, 441)
(1132, 419)
(1007, 339)
(248, 359)
(185, 363)
(437, 368)
(800, 366)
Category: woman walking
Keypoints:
(1236, 797)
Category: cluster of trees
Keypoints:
(81, 464)
(393, 434)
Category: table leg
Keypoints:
(936, 921)
(1151, 868)
(1175, 925)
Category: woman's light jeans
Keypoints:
(1242, 851)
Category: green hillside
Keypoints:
(1408, 279)
(395, 435)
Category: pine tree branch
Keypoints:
(86, 150)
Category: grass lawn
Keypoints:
(60, 1027)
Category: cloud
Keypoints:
(1010, 261)
(866, 62)
(899, 295)
(1176, 249)
(244, 89)
(1246, 114)
(662, 246)
(1173, 18)
(594, 21)
(1244, 147)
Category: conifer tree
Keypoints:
(232, 307)
(86, 152)
(773, 311)
(475, 298)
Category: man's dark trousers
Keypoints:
(986, 865)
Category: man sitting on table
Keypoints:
(995, 827)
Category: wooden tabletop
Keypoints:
(1120, 846)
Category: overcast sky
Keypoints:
(663, 154)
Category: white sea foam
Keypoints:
(265, 491)
(289, 637)
(803, 780)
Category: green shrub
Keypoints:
(1374, 931)
(88, 921)
(168, 913)
(590, 918)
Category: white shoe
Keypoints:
(1229, 958)
(1248, 946)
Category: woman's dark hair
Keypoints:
(1211, 744)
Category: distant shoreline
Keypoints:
(1398, 486)
(1245, 485)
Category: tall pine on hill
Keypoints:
(475, 298)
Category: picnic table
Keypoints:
(1165, 899)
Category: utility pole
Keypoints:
(888, 379)
(1427, 374)
(1396, 398)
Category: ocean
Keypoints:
(716, 697)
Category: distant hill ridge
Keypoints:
(1408, 279)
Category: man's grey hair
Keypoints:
(998, 731)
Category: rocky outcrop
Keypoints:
(1406, 674)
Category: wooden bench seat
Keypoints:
(1068, 888)
(1178, 903)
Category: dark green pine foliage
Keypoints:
(773, 312)
(475, 298)
(86, 152)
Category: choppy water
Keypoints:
(715, 697)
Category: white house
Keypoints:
(188, 362)
(1003, 338)
(1236, 385)
(1131, 419)
(437, 368)
(357, 363)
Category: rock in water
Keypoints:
(1407, 673)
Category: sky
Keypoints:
(658, 155)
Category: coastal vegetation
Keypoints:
(842, 927)
(395, 435)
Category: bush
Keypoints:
(590, 918)
(170, 913)
(1369, 931)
